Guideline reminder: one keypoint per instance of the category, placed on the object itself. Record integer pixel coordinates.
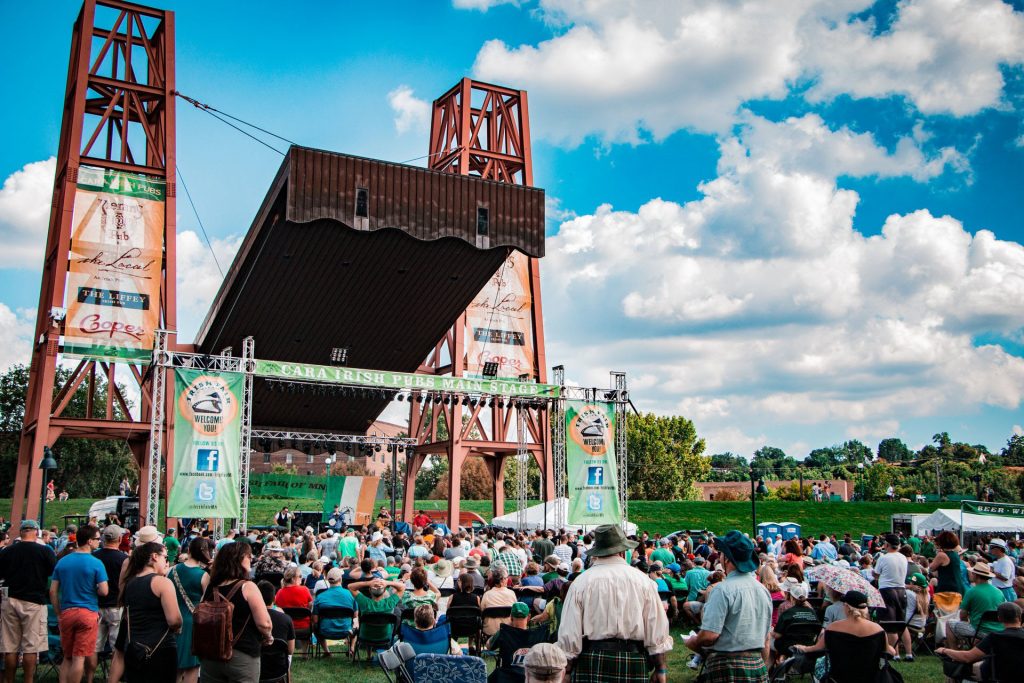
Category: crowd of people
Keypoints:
(591, 607)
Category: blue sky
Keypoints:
(794, 223)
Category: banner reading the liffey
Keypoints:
(590, 463)
(117, 241)
(384, 379)
(207, 444)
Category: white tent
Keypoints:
(535, 518)
(949, 520)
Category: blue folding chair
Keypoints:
(435, 641)
(447, 669)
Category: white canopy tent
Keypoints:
(949, 520)
(535, 518)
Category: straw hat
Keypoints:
(982, 569)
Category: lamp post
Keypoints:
(860, 468)
(46, 464)
(753, 505)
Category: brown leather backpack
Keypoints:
(212, 636)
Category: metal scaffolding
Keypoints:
(522, 469)
(156, 427)
(248, 367)
(558, 446)
(621, 399)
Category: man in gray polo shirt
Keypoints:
(737, 617)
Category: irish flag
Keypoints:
(357, 494)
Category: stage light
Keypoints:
(339, 355)
(399, 397)
(377, 448)
(437, 398)
(419, 398)
(490, 369)
(331, 449)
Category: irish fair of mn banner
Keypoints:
(117, 242)
(207, 444)
(590, 463)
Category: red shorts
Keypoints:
(79, 628)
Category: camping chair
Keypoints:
(395, 662)
(301, 634)
(478, 591)
(853, 659)
(274, 664)
(435, 641)
(797, 634)
(274, 578)
(447, 669)
(49, 662)
(466, 622)
(989, 617)
(447, 592)
(1006, 661)
(796, 665)
(493, 613)
(408, 614)
(330, 613)
(376, 631)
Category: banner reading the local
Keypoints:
(591, 469)
(207, 444)
(499, 322)
(978, 507)
(354, 497)
(117, 242)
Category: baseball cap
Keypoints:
(893, 540)
(112, 533)
(335, 575)
(520, 610)
(563, 568)
(674, 568)
(798, 591)
(29, 524)
(856, 599)
(545, 662)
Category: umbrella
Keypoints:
(844, 580)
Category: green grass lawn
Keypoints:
(653, 516)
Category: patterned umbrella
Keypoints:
(844, 580)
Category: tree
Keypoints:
(512, 472)
(728, 467)
(773, 463)
(854, 452)
(893, 450)
(434, 469)
(1013, 452)
(664, 457)
(824, 458)
(475, 483)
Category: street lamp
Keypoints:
(760, 489)
(48, 463)
(863, 490)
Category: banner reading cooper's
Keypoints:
(591, 469)
(207, 444)
(499, 322)
(117, 242)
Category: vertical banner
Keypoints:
(499, 322)
(354, 496)
(591, 470)
(207, 444)
(117, 242)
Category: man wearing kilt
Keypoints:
(736, 618)
(613, 626)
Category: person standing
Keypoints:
(190, 581)
(113, 560)
(151, 618)
(736, 619)
(891, 572)
(172, 545)
(612, 624)
(79, 581)
(25, 567)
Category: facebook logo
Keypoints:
(206, 491)
(595, 476)
(208, 459)
(594, 502)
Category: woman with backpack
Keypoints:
(190, 581)
(150, 618)
(231, 623)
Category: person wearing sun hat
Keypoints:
(736, 618)
(612, 625)
(981, 597)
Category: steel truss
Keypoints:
(558, 446)
(621, 400)
(522, 467)
(156, 427)
(248, 366)
(329, 438)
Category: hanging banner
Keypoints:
(591, 470)
(207, 444)
(382, 379)
(354, 496)
(977, 507)
(287, 485)
(499, 322)
(117, 242)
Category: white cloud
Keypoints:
(198, 278)
(411, 113)
(760, 304)
(626, 69)
(1018, 430)
(481, 5)
(25, 213)
(16, 331)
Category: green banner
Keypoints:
(977, 507)
(591, 470)
(383, 379)
(207, 444)
(288, 485)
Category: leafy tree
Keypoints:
(771, 462)
(665, 457)
(824, 457)
(512, 472)
(1013, 452)
(893, 450)
(475, 483)
(728, 467)
(434, 469)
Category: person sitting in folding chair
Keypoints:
(1000, 655)
(329, 627)
(275, 658)
(426, 636)
(512, 642)
(798, 625)
(384, 597)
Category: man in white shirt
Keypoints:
(891, 572)
(1002, 567)
(777, 545)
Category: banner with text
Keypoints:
(383, 379)
(591, 469)
(354, 496)
(978, 507)
(117, 242)
(499, 322)
(207, 444)
(287, 485)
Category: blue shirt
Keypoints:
(824, 551)
(696, 581)
(739, 609)
(78, 574)
(334, 597)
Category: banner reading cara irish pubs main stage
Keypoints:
(117, 242)
(207, 444)
(591, 469)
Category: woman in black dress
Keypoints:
(150, 618)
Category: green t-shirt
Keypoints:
(663, 555)
(928, 549)
(915, 543)
(676, 585)
(981, 598)
(348, 546)
(550, 576)
(367, 605)
(172, 545)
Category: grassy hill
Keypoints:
(653, 516)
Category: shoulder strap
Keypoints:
(181, 591)
(234, 589)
